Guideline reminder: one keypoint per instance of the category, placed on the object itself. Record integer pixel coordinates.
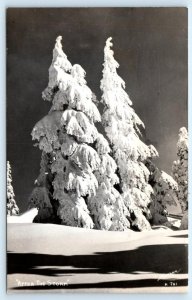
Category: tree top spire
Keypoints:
(109, 43)
(58, 42)
(58, 51)
(108, 51)
(183, 132)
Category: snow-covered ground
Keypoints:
(26, 217)
(50, 257)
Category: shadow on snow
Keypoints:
(163, 259)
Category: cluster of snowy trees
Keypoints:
(77, 175)
(91, 179)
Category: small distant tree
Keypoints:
(121, 125)
(12, 208)
(180, 173)
(165, 188)
(77, 171)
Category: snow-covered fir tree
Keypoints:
(12, 208)
(121, 125)
(180, 173)
(78, 153)
(165, 188)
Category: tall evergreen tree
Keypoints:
(75, 148)
(12, 208)
(180, 173)
(121, 125)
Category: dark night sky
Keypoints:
(150, 45)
